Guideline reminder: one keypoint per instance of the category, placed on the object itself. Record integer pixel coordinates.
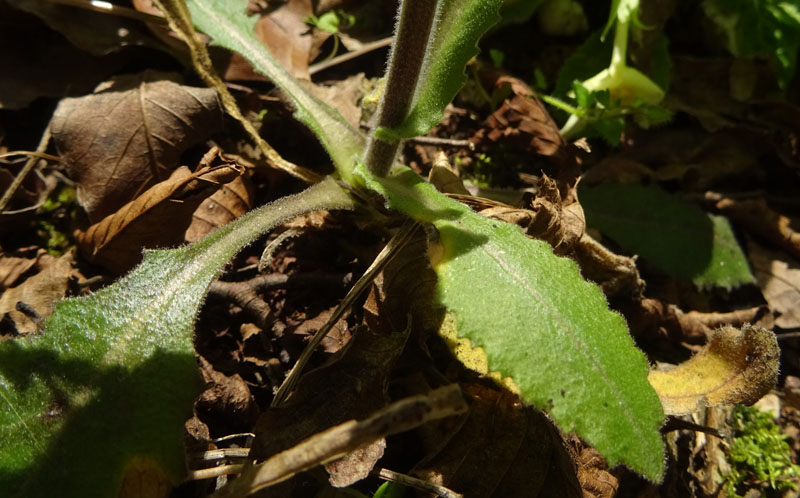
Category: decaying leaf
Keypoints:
(15, 264)
(736, 366)
(40, 291)
(522, 121)
(778, 276)
(232, 200)
(344, 438)
(503, 449)
(129, 135)
(287, 36)
(27, 41)
(157, 218)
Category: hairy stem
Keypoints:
(415, 20)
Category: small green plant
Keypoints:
(616, 91)
(759, 453)
(54, 230)
(333, 22)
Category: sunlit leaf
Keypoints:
(460, 24)
(226, 21)
(539, 323)
(109, 383)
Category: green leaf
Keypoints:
(673, 235)
(459, 26)
(226, 21)
(539, 323)
(110, 382)
(769, 28)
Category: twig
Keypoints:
(339, 59)
(222, 470)
(449, 142)
(9, 193)
(419, 484)
(245, 295)
(788, 335)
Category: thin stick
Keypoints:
(180, 21)
(9, 193)
(30, 153)
(419, 484)
(450, 142)
(389, 251)
(340, 59)
(222, 470)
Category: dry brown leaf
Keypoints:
(343, 96)
(129, 135)
(288, 38)
(159, 217)
(778, 276)
(344, 438)
(559, 223)
(14, 265)
(225, 205)
(28, 43)
(522, 121)
(502, 449)
(40, 291)
(736, 366)
(758, 218)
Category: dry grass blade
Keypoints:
(180, 21)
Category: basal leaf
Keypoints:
(675, 236)
(109, 383)
(459, 26)
(539, 323)
(226, 21)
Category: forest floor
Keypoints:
(113, 107)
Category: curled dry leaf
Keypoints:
(502, 449)
(129, 135)
(157, 218)
(522, 121)
(40, 291)
(560, 223)
(736, 366)
(225, 205)
(779, 279)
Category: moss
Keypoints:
(759, 454)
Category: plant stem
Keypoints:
(413, 29)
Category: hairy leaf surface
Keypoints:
(226, 21)
(539, 323)
(459, 26)
(677, 237)
(110, 382)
